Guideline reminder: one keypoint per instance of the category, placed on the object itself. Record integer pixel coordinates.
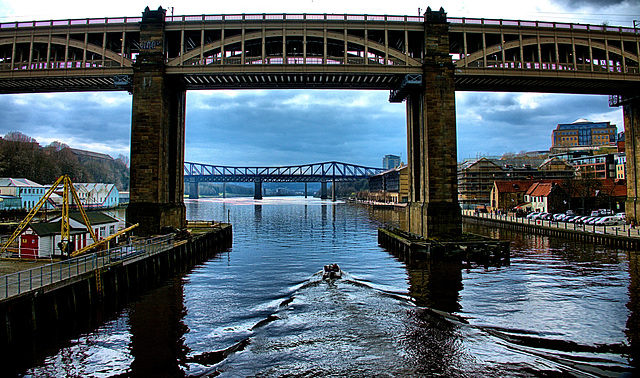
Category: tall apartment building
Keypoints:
(583, 133)
(391, 161)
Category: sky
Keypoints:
(290, 127)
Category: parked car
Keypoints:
(601, 212)
(592, 220)
(610, 221)
(532, 215)
(622, 216)
(570, 212)
(569, 218)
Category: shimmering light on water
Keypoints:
(262, 308)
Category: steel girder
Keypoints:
(316, 172)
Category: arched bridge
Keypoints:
(318, 172)
(421, 60)
(318, 51)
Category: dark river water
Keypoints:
(262, 309)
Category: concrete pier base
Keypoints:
(257, 190)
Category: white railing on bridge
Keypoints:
(319, 17)
(33, 279)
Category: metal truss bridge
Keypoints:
(318, 172)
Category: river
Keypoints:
(261, 309)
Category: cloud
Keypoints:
(492, 124)
(81, 120)
(294, 127)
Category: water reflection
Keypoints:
(560, 308)
(633, 323)
(435, 284)
(157, 332)
(257, 213)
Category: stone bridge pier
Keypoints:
(631, 113)
(157, 135)
(433, 209)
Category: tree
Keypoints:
(57, 146)
(583, 188)
(22, 157)
(16, 136)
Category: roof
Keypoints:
(19, 182)
(540, 189)
(584, 124)
(555, 160)
(91, 154)
(471, 163)
(512, 186)
(53, 228)
(95, 218)
(614, 187)
(396, 169)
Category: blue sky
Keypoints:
(284, 127)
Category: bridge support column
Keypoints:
(333, 190)
(157, 135)
(305, 190)
(631, 112)
(194, 192)
(257, 191)
(323, 190)
(224, 190)
(431, 137)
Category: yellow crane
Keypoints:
(64, 221)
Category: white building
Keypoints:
(41, 239)
(94, 196)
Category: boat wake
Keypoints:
(351, 304)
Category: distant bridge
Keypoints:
(318, 172)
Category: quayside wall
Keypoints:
(32, 318)
(610, 236)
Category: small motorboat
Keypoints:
(331, 272)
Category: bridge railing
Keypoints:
(317, 17)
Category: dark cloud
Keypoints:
(577, 4)
(81, 120)
(295, 127)
(282, 127)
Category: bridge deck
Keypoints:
(319, 51)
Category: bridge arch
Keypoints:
(600, 48)
(109, 57)
(203, 56)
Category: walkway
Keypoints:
(64, 271)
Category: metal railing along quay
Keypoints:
(618, 230)
(619, 235)
(28, 280)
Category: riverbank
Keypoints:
(623, 236)
(53, 299)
